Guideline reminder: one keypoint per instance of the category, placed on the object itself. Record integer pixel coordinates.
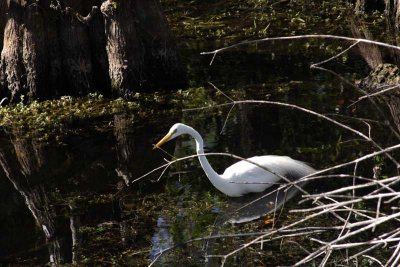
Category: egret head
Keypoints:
(176, 130)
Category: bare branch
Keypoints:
(299, 37)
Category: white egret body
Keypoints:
(244, 176)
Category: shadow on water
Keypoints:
(70, 202)
(52, 180)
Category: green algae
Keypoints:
(58, 118)
(54, 119)
(50, 118)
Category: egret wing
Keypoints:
(250, 170)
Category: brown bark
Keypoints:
(34, 50)
(123, 48)
(11, 56)
(65, 47)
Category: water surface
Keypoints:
(69, 201)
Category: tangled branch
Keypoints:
(358, 229)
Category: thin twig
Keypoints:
(309, 112)
(335, 56)
(300, 37)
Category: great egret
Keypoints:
(243, 177)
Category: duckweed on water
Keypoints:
(53, 119)
(49, 118)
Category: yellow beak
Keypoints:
(163, 140)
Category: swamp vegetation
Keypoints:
(74, 179)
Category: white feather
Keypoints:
(243, 177)
(249, 177)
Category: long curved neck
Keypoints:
(202, 158)
(214, 177)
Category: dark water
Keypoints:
(69, 202)
(77, 189)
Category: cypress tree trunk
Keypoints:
(51, 48)
(124, 51)
(11, 56)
